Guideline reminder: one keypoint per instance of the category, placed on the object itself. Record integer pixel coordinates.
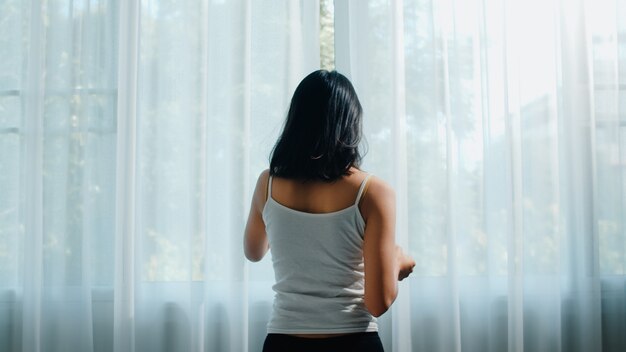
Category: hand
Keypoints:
(405, 263)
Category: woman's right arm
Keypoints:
(384, 261)
(255, 241)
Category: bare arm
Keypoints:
(385, 263)
(255, 243)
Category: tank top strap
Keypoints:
(269, 189)
(362, 188)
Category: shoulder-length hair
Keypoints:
(321, 136)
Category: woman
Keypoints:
(330, 226)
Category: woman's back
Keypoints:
(317, 253)
(318, 196)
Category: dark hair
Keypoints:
(321, 136)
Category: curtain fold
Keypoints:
(501, 109)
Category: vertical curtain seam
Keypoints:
(342, 37)
(246, 194)
(618, 120)
(595, 255)
(32, 151)
(126, 187)
(515, 245)
(558, 114)
(401, 322)
(78, 79)
(451, 270)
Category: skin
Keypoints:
(385, 262)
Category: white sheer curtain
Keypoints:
(499, 123)
(131, 134)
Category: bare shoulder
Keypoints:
(379, 197)
(264, 176)
(260, 191)
(377, 188)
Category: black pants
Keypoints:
(359, 342)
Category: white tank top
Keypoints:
(318, 265)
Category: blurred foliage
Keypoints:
(327, 34)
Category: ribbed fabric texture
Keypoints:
(318, 264)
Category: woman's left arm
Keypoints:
(255, 243)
